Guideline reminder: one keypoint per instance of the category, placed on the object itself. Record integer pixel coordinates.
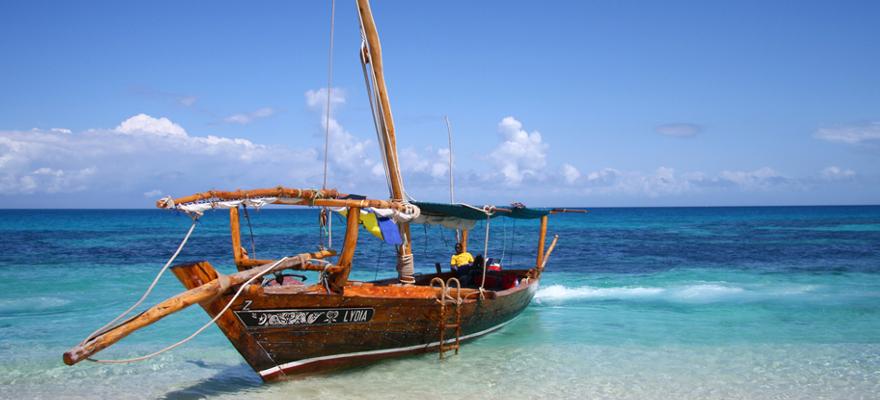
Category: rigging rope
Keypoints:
(485, 251)
(503, 241)
(376, 107)
(327, 121)
(251, 229)
(368, 81)
(107, 326)
(211, 322)
(513, 241)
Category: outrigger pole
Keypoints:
(373, 57)
(204, 293)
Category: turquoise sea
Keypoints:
(636, 303)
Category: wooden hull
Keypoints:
(282, 334)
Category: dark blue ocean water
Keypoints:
(751, 302)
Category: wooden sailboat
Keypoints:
(283, 327)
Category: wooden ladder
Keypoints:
(445, 299)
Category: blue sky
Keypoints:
(114, 104)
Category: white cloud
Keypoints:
(317, 99)
(521, 154)
(433, 163)
(603, 177)
(762, 178)
(347, 153)
(853, 134)
(834, 173)
(570, 173)
(144, 124)
(679, 129)
(665, 181)
(141, 153)
(246, 118)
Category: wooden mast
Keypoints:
(374, 47)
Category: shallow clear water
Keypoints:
(775, 302)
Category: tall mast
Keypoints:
(375, 60)
(385, 128)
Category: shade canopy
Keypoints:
(463, 216)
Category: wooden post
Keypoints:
(205, 292)
(547, 255)
(236, 236)
(542, 237)
(464, 239)
(352, 224)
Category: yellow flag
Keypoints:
(369, 221)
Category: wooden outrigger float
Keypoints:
(282, 327)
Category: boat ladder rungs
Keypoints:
(444, 299)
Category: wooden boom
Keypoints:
(203, 293)
(319, 198)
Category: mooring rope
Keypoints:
(205, 326)
(109, 325)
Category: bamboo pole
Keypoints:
(547, 256)
(392, 205)
(542, 237)
(235, 231)
(183, 300)
(464, 239)
(404, 252)
(306, 194)
(375, 49)
(352, 223)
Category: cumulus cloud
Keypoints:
(761, 178)
(347, 152)
(428, 163)
(834, 173)
(665, 181)
(678, 129)
(868, 133)
(603, 177)
(521, 154)
(140, 154)
(317, 99)
(570, 173)
(143, 124)
(246, 118)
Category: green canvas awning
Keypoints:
(475, 213)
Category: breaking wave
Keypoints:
(696, 293)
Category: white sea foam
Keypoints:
(31, 304)
(694, 293)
